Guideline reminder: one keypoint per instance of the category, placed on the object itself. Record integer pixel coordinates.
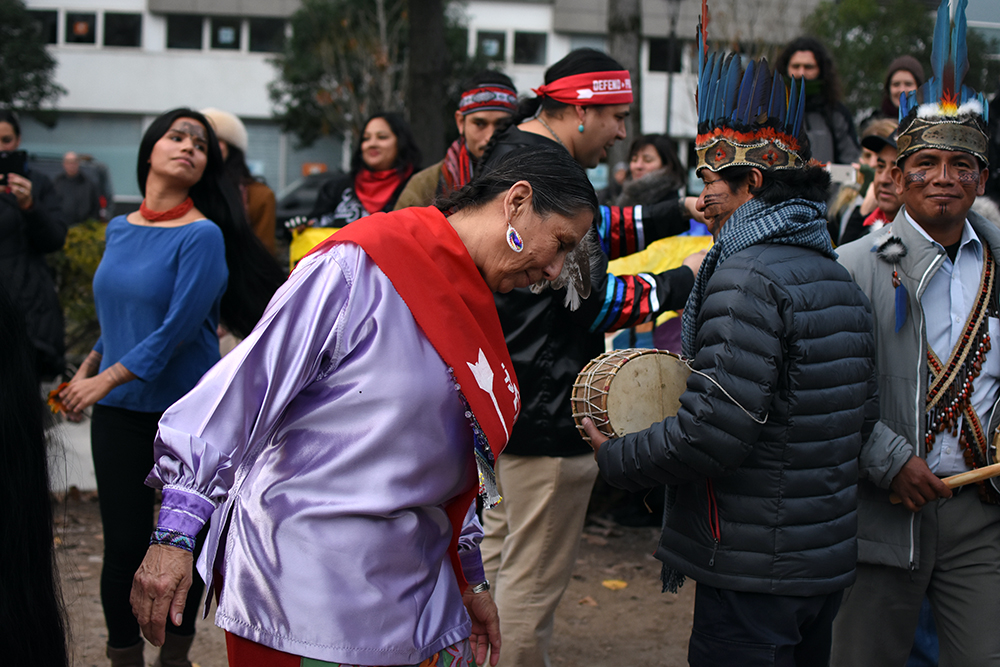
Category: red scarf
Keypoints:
(375, 188)
(426, 261)
(456, 170)
(878, 215)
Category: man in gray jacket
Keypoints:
(932, 280)
(761, 459)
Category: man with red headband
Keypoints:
(488, 101)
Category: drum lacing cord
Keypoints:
(728, 395)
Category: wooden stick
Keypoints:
(961, 479)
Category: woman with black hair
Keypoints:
(171, 271)
(382, 164)
(828, 123)
(548, 471)
(31, 611)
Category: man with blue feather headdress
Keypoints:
(932, 280)
(761, 458)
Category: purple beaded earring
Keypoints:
(514, 239)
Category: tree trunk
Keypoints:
(425, 89)
(625, 46)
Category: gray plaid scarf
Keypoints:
(794, 222)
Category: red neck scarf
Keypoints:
(375, 188)
(178, 211)
(426, 261)
(878, 215)
(456, 170)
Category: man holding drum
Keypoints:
(761, 459)
(931, 277)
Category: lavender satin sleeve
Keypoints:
(468, 547)
(230, 414)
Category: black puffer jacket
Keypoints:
(765, 508)
(25, 238)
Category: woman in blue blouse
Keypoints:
(170, 272)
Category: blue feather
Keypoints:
(939, 49)
(901, 307)
(704, 86)
(741, 113)
(732, 86)
(959, 49)
(761, 86)
(800, 111)
(713, 102)
(793, 96)
(904, 106)
(776, 107)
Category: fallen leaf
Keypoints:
(589, 601)
(614, 584)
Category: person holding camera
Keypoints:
(31, 225)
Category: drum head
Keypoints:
(646, 390)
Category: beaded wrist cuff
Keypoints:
(172, 538)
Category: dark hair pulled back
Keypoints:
(254, 275)
(558, 183)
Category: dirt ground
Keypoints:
(595, 625)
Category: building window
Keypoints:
(267, 35)
(48, 25)
(492, 45)
(659, 55)
(122, 29)
(80, 28)
(226, 33)
(183, 31)
(529, 48)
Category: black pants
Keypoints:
(758, 630)
(122, 446)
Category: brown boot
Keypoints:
(127, 657)
(174, 652)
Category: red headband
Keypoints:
(493, 97)
(590, 88)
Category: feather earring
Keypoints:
(892, 251)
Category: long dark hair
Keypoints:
(31, 610)
(558, 182)
(578, 61)
(254, 275)
(407, 151)
(827, 68)
(236, 168)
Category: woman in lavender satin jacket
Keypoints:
(336, 450)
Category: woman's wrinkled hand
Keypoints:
(160, 587)
(485, 637)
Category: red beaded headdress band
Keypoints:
(590, 88)
(492, 97)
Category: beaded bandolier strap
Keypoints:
(949, 391)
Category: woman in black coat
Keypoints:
(31, 225)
